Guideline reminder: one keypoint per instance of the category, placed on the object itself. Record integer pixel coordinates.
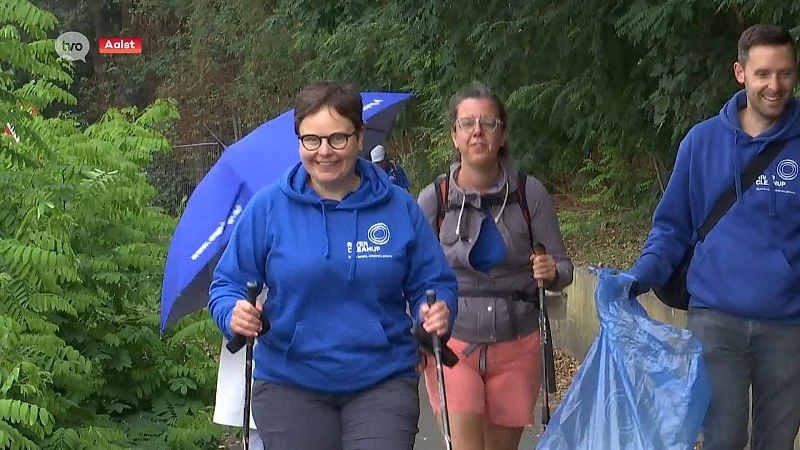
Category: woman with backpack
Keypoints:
(488, 215)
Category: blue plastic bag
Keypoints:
(642, 386)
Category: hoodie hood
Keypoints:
(747, 147)
(506, 185)
(786, 128)
(375, 190)
(375, 187)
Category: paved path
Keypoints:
(429, 437)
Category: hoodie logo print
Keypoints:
(787, 169)
(378, 234)
(377, 237)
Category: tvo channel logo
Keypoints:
(72, 46)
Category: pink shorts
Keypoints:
(505, 394)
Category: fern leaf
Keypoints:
(45, 303)
(12, 439)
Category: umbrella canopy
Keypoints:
(247, 166)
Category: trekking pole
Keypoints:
(538, 250)
(234, 345)
(437, 356)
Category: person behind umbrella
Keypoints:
(343, 253)
(492, 391)
(394, 170)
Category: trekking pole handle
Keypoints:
(427, 340)
(430, 295)
(539, 250)
(239, 341)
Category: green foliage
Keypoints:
(82, 363)
(599, 93)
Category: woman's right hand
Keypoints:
(246, 319)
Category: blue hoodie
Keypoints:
(338, 274)
(749, 264)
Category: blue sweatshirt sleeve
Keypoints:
(428, 268)
(243, 260)
(672, 231)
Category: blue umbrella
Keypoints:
(245, 167)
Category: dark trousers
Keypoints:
(384, 417)
(741, 354)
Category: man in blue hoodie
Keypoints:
(744, 278)
(344, 253)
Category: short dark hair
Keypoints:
(344, 99)
(763, 34)
(477, 90)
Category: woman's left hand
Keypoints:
(544, 268)
(436, 318)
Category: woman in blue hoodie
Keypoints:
(343, 253)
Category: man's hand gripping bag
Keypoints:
(642, 386)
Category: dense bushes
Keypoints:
(82, 364)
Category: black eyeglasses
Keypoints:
(336, 141)
(487, 124)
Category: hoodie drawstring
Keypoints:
(773, 200)
(773, 196)
(736, 171)
(496, 218)
(351, 276)
(502, 208)
(460, 215)
(326, 249)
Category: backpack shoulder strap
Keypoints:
(442, 186)
(522, 180)
(748, 176)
